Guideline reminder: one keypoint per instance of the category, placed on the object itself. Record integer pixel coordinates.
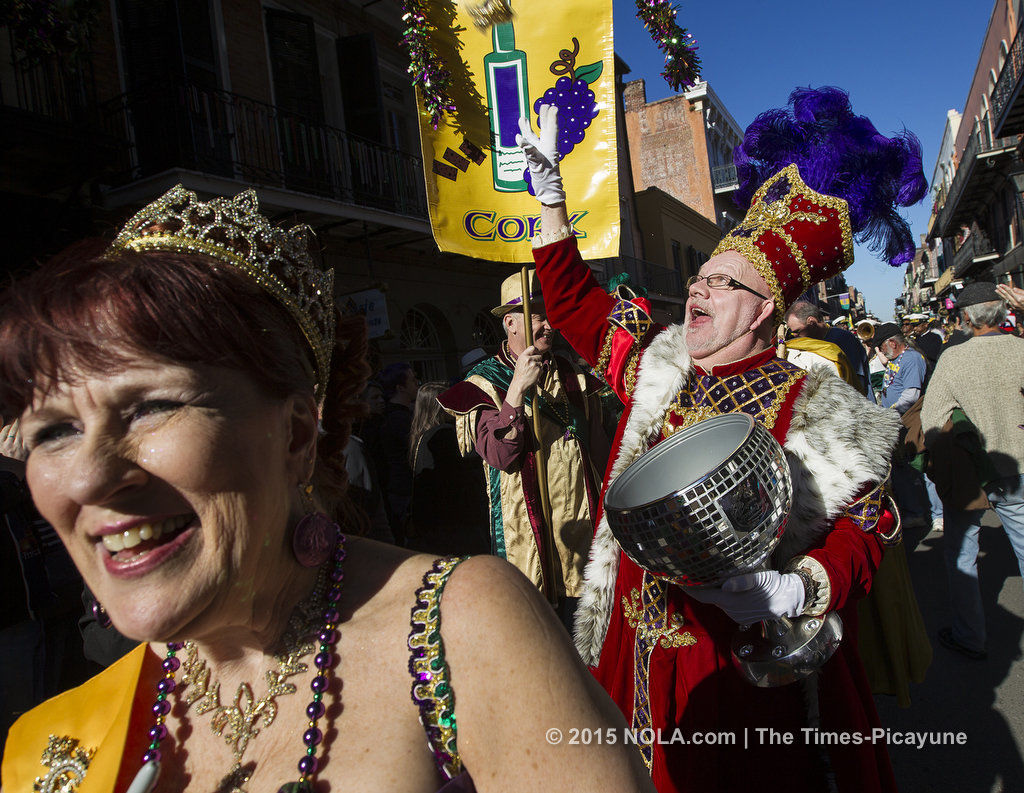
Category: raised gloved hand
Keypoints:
(767, 594)
(542, 157)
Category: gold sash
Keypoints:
(96, 715)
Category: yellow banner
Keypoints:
(477, 186)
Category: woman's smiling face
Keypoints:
(171, 486)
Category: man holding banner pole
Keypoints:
(543, 484)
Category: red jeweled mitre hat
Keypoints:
(793, 236)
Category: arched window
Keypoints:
(422, 344)
(1003, 52)
(487, 330)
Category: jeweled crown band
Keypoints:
(233, 231)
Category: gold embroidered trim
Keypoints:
(66, 764)
(689, 416)
(669, 636)
(634, 360)
(606, 352)
(746, 248)
(646, 613)
(817, 572)
(772, 413)
(895, 536)
(801, 262)
(631, 318)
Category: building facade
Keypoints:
(308, 101)
(683, 145)
(921, 279)
(978, 214)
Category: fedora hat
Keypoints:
(512, 294)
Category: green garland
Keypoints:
(428, 70)
(434, 81)
(682, 65)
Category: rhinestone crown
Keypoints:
(232, 231)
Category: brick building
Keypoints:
(683, 145)
(680, 155)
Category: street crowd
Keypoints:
(198, 487)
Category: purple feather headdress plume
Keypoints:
(842, 155)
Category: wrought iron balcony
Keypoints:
(979, 145)
(179, 124)
(977, 246)
(46, 87)
(1007, 107)
(52, 132)
(723, 178)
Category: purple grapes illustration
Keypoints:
(571, 94)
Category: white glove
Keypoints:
(542, 155)
(765, 595)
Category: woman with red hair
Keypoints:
(185, 394)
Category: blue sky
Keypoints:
(904, 63)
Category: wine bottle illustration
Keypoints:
(508, 98)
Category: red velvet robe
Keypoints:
(678, 673)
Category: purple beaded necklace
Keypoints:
(146, 779)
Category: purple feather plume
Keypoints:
(842, 155)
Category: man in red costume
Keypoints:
(663, 655)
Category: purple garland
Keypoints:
(428, 71)
(682, 65)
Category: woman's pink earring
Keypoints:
(314, 535)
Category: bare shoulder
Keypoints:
(488, 597)
(485, 600)
(382, 579)
(518, 680)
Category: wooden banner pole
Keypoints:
(548, 550)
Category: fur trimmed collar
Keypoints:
(837, 443)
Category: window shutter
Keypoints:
(197, 41)
(149, 41)
(361, 92)
(294, 65)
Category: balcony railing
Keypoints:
(653, 277)
(978, 144)
(1009, 77)
(45, 87)
(974, 246)
(723, 177)
(179, 124)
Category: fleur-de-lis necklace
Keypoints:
(241, 721)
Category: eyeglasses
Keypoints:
(721, 281)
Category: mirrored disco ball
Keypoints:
(708, 503)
